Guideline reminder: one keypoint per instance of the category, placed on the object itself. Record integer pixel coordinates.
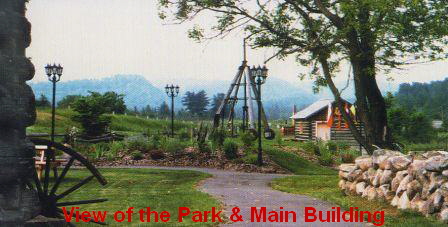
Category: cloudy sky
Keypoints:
(100, 38)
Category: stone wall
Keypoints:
(414, 182)
(17, 203)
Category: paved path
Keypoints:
(245, 190)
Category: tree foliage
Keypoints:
(370, 35)
(196, 102)
(90, 113)
(68, 101)
(43, 101)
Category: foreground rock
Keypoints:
(419, 183)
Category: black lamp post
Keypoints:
(259, 76)
(54, 73)
(172, 91)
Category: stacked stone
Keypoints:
(17, 203)
(414, 182)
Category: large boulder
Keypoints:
(437, 163)
(416, 202)
(354, 175)
(365, 193)
(372, 194)
(386, 177)
(403, 202)
(399, 163)
(377, 178)
(364, 162)
(360, 187)
(341, 184)
(443, 215)
(397, 179)
(413, 188)
(430, 154)
(417, 167)
(403, 185)
(345, 170)
(382, 154)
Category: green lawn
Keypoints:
(297, 164)
(325, 187)
(162, 190)
(125, 124)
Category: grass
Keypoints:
(325, 187)
(297, 164)
(162, 190)
(126, 124)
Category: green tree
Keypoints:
(216, 102)
(68, 101)
(196, 103)
(369, 35)
(419, 128)
(43, 101)
(164, 110)
(90, 114)
(114, 102)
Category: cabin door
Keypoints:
(322, 131)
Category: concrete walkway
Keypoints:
(246, 190)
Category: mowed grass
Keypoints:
(125, 124)
(297, 164)
(162, 190)
(325, 187)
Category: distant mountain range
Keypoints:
(139, 92)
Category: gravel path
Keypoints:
(246, 190)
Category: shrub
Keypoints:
(218, 137)
(98, 150)
(332, 146)
(156, 155)
(184, 135)
(142, 145)
(155, 141)
(343, 146)
(114, 148)
(309, 147)
(137, 155)
(326, 158)
(251, 159)
(173, 146)
(247, 138)
(279, 139)
(348, 156)
(230, 149)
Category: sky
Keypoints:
(100, 38)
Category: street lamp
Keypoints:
(54, 73)
(259, 76)
(172, 91)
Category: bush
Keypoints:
(218, 137)
(326, 158)
(332, 146)
(98, 150)
(184, 135)
(173, 146)
(248, 138)
(155, 141)
(137, 155)
(114, 148)
(343, 146)
(156, 155)
(142, 145)
(230, 149)
(251, 159)
(279, 139)
(309, 146)
(348, 156)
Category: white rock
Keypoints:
(360, 187)
(403, 203)
(399, 163)
(437, 163)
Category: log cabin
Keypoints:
(323, 120)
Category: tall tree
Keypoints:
(164, 110)
(43, 101)
(196, 103)
(370, 35)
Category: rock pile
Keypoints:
(415, 182)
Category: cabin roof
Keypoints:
(313, 108)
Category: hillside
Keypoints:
(427, 97)
(279, 96)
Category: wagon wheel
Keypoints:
(48, 197)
